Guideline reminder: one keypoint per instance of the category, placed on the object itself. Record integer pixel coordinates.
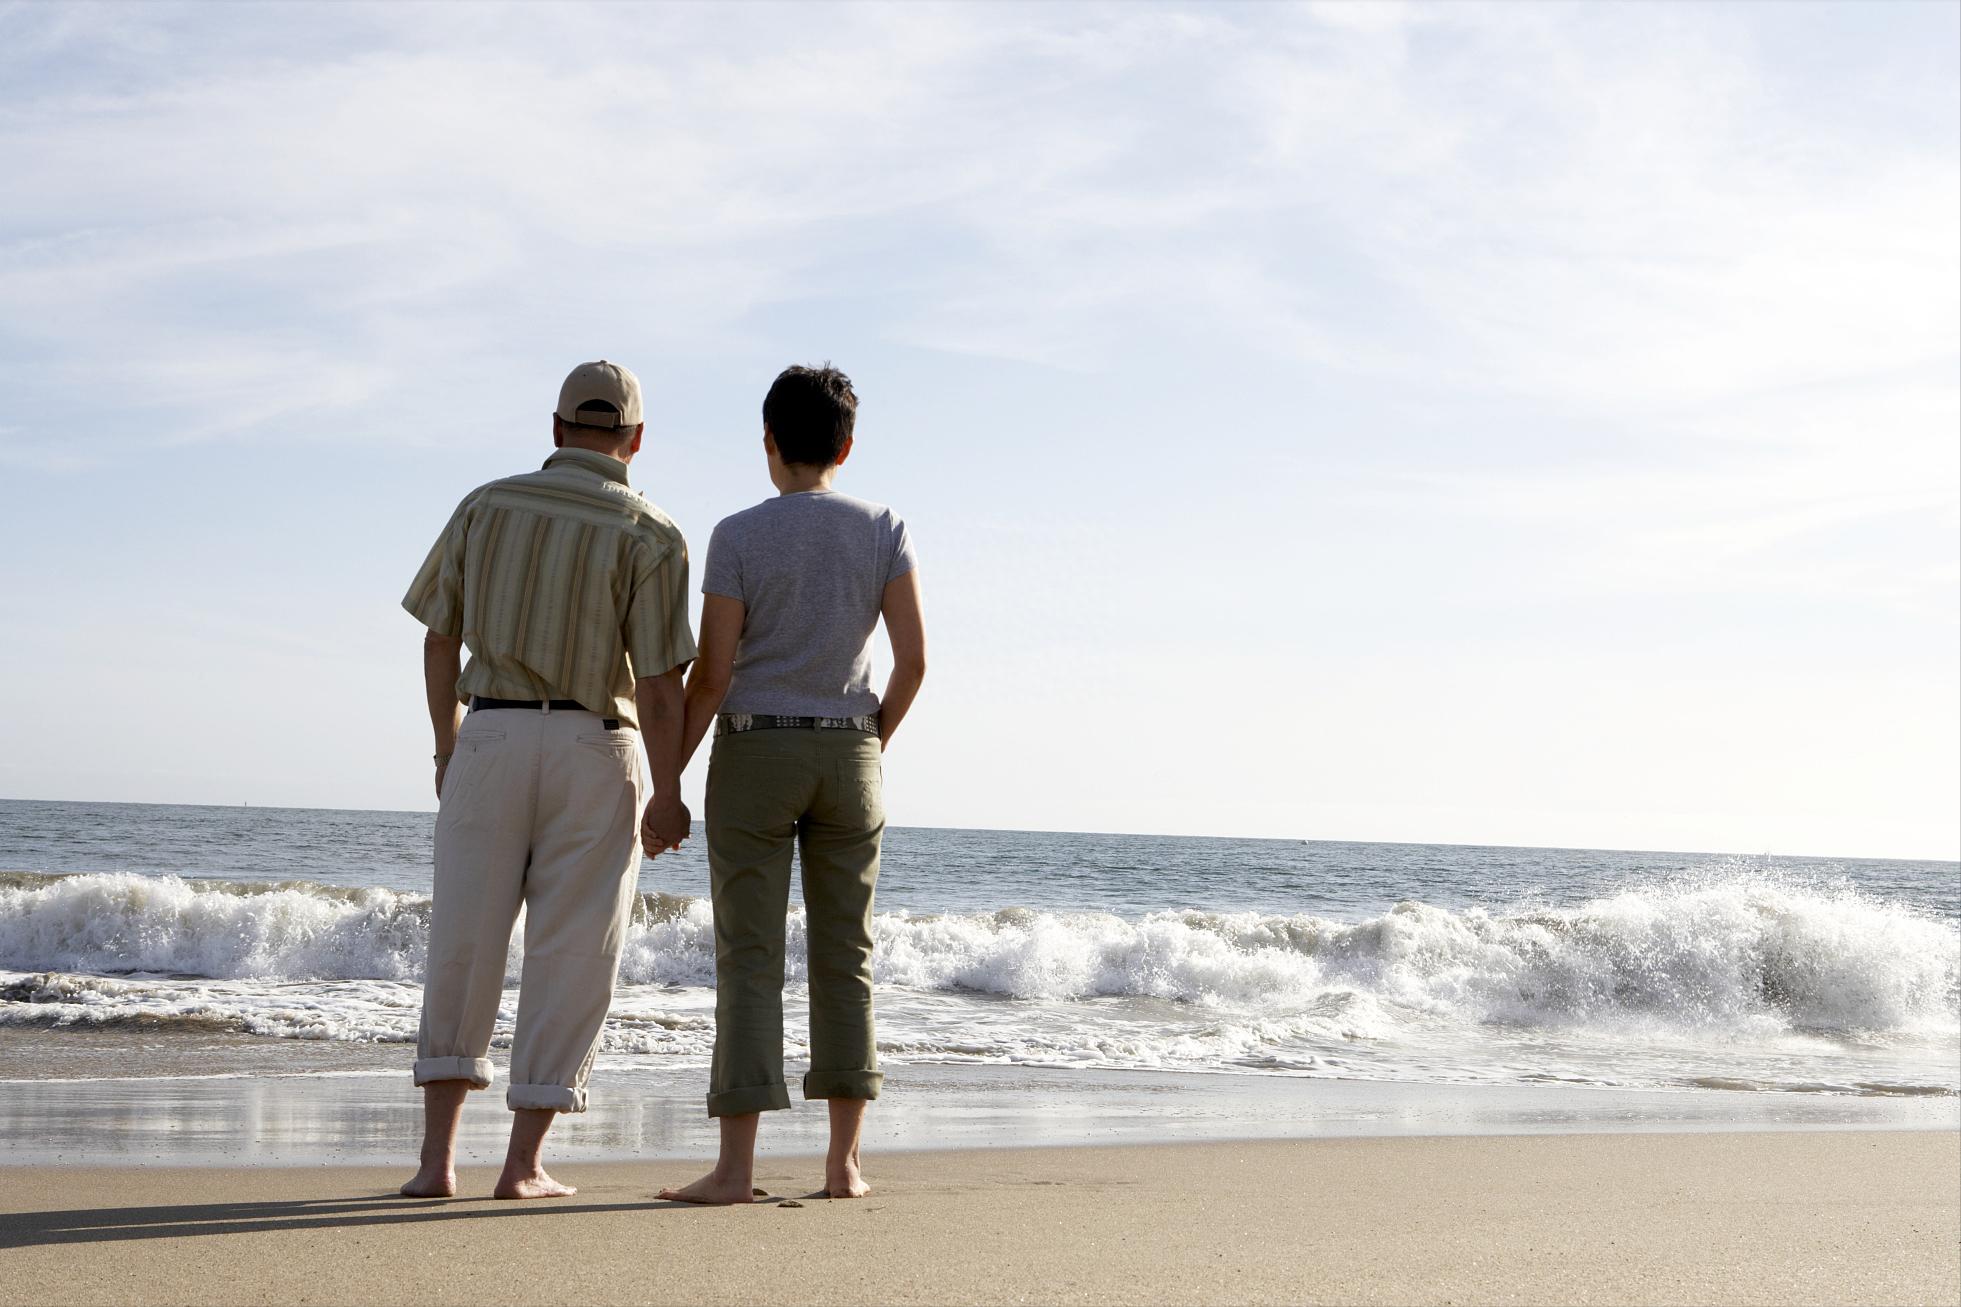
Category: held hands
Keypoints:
(665, 826)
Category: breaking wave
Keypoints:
(1737, 952)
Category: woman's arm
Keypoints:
(708, 681)
(905, 627)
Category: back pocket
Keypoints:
(861, 790)
(621, 748)
(617, 741)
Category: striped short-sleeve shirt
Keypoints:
(564, 584)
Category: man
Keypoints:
(570, 590)
(793, 589)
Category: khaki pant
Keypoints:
(539, 810)
(817, 791)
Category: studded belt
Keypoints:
(734, 723)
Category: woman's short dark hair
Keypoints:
(810, 412)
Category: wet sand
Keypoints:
(118, 1098)
(1822, 1216)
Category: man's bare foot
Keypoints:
(534, 1184)
(432, 1182)
(715, 1190)
(845, 1182)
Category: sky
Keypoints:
(1525, 424)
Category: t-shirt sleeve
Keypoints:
(722, 573)
(435, 597)
(657, 636)
(904, 558)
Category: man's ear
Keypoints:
(558, 433)
(844, 452)
(769, 443)
(638, 431)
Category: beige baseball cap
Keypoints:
(590, 382)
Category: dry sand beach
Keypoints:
(1816, 1217)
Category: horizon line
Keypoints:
(1030, 830)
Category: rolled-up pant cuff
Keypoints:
(549, 1098)
(754, 1098)
(842, 1084)
(476, 1070)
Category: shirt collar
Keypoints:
(592, 461)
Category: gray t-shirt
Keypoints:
(810, 570)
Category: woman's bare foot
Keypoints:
(845, 1181)
(715, 1190)
(842, 1179)
(531, 1184)
(432, 1182)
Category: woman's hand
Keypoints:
(666, 826)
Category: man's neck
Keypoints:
(610, 450)
(610, 466)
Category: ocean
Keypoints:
(133, 933)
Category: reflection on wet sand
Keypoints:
(358, 1106)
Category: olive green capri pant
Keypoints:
(817, 792)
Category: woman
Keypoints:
(793, 589)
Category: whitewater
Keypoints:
(1641, 971)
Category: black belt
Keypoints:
(478, 702)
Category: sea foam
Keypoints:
(1743, 953)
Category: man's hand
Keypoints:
(442, 766)
(661, 703)
(665, 827)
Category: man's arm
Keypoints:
(708, 681)
(442, 666)
(905, 627)
(661, 720)
(694, 708)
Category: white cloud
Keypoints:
(1600, 275)
(1570, 210)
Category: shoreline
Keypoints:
(353, 1104)
(1764, 1217)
